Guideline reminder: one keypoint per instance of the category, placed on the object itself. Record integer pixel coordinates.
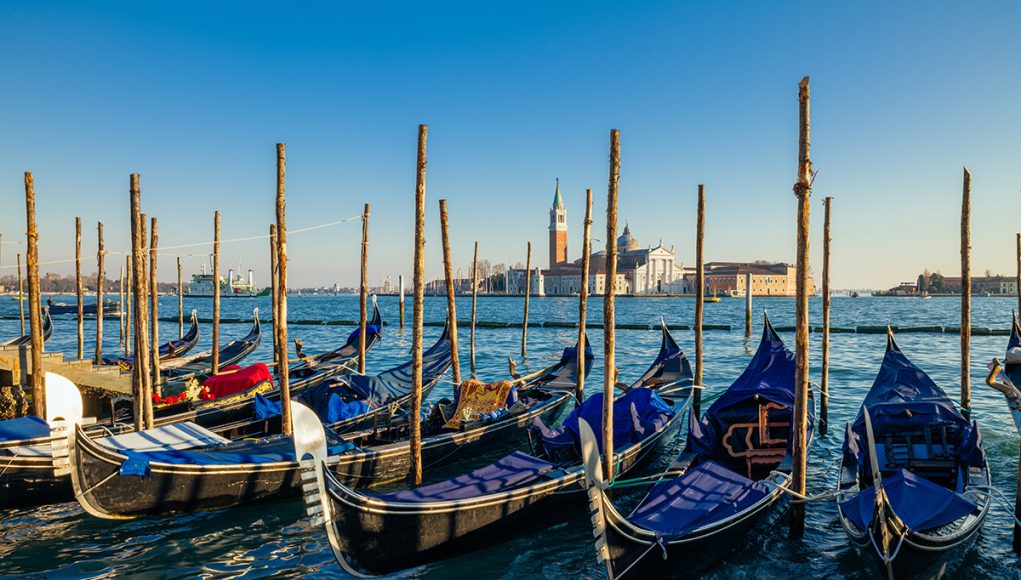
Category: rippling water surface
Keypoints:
(273, 540)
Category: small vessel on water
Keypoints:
(914, 480)
(57, 308)
(233, 286)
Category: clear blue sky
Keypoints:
(194, 96)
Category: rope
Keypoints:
(193, 244)
(799, 498)
(1000, 496)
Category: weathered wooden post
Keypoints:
(803, 191)
(122, 301)
(35, 314)
(100, 282)
(609, 330)
(966, 295)
(824, 397)
(475, 297)
(143, 385)
(126, 314)
(21, 297)
(180, 301)
(448, 275)
(586, 251)
(415, 475)
(696, 393)
(79, 291)
(363, 290)
(155, 297)
(274, 269)
(528, 292)
(216, 292)
(1017, 281)
(281, 325)
(748, 304)
(400, 284)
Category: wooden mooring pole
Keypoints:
(966, 295)
(126, 312)
(448, 275)
(21, 297)
(216, 292)
(696, 393)
(100, 283)
(363, 290)
(142, 378)
(154, 294)
(586, 251)
(824, 386)
(748, 304)
(475, 297)
(281, 325)
(34, 300)
(1017, 280)
(78, 285)
(803, 191)
(180, 300)
(400, 284)
(609, 330)
(415, 472)
(528, 292)
(274, 269)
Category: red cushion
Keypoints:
(230, 383)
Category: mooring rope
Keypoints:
(193, 244)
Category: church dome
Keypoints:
(626, 242)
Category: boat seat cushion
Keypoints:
(236, 380)
(515, 470)
(476, 399)
(918, 502)
(706, 494)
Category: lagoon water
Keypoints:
(274, 540)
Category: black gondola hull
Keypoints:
(394, 538)
(392, 462)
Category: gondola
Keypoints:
(29, 454)
(383, 453)
(26, 339)
(233, 416)
(28, 474)
(730, 478)
(162, 470)
(914, 479)
(57, 308)
(170, 350)
(377, 533)
(230, 353)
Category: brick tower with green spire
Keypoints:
(557, 230)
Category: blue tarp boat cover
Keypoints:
(704, 495)
(768, 378)
(671, 366)
(918, 502)
(379, 390)
(370, 329)
(30, 427)
(638, 413)
(904, 398)
(266, 450)
(515, 470)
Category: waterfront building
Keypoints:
(768, 279)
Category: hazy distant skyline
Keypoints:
(194, 97)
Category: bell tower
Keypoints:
(557, 230)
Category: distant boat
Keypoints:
(854, 294)
(57, 308)
(202, 285)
